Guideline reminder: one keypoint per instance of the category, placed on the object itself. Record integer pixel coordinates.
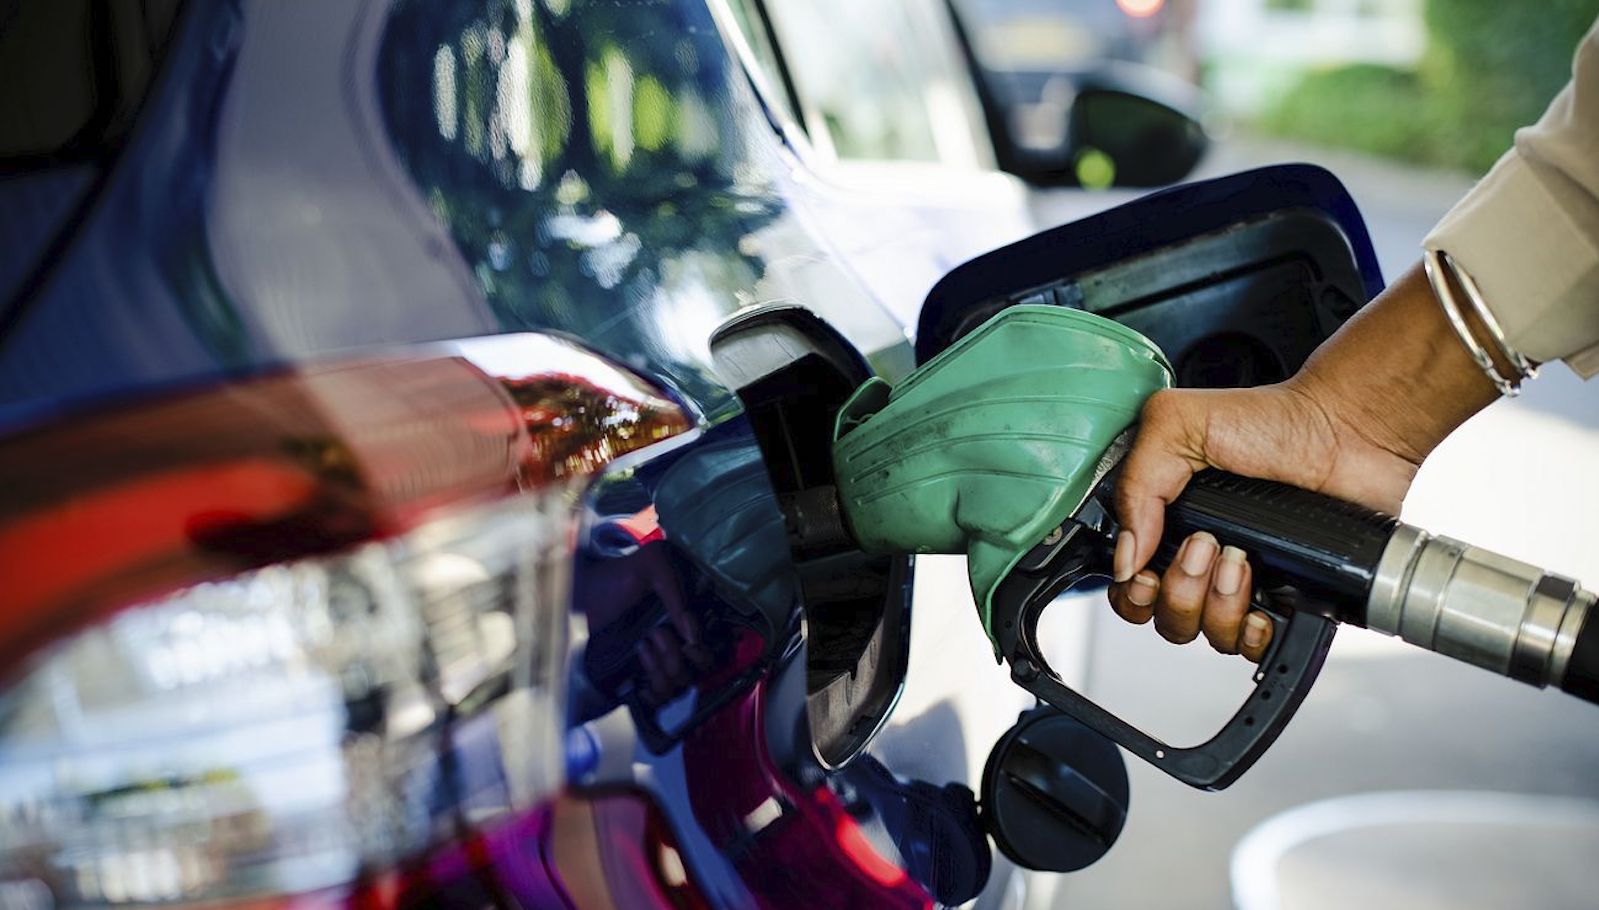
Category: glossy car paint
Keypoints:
(313, 182)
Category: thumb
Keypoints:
(1153, 474)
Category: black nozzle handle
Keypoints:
(1323, 547)
(1317, 562)
(1313, 558)
(1279, 526)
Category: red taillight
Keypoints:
(264, 639)
(50, 555)
(112, 508)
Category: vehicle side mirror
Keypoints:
(1118, 138)
(1087, 121)
(1120, 124)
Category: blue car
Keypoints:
(410, 417)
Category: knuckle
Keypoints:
(1175, 632)
(1161, 404)
(1220, 641)
(1181, 600)
(1164, 414)
(1223, 616)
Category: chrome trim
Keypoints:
(1476, 606)
(1384, 606)
(1566, 636)
(1540, 629)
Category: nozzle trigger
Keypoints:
(1299, 644)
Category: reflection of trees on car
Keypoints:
(575, 426)
(574, 156)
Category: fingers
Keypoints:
(1134, 601)
(1150, 480)
(1229, 625)
(1227, 601)
(1205, 590)
(667, 665)
(1256, 636)
(1183, 589)
(661, 657)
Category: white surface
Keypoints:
(1420, 850)
(1522, 478)
(952, 677)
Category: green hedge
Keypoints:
(1491, 66)
(1375, 109)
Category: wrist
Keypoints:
(1396, 374)
(1475, 326)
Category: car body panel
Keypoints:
(311, 182)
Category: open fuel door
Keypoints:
(1237, 279)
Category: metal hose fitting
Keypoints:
(1477, 606)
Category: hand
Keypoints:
(1277, 432)
(1354, 423)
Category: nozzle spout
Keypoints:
(1480, 607)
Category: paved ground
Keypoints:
(1520, 821)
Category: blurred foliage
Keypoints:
(1365, 106)
(1490, 68)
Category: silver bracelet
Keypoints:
(1435, 262)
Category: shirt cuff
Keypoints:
(1537, 269)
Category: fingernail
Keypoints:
(1142, 589)
(1230, 574)
(1197, 555)
(1254, 630)
(1122, 562)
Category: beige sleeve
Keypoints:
(1529, 231)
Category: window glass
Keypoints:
(881, 80)
(752, 25)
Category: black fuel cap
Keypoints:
(1054, 792)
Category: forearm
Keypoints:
(1396, 373)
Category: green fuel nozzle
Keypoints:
(990, 446)
(1005, 448)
